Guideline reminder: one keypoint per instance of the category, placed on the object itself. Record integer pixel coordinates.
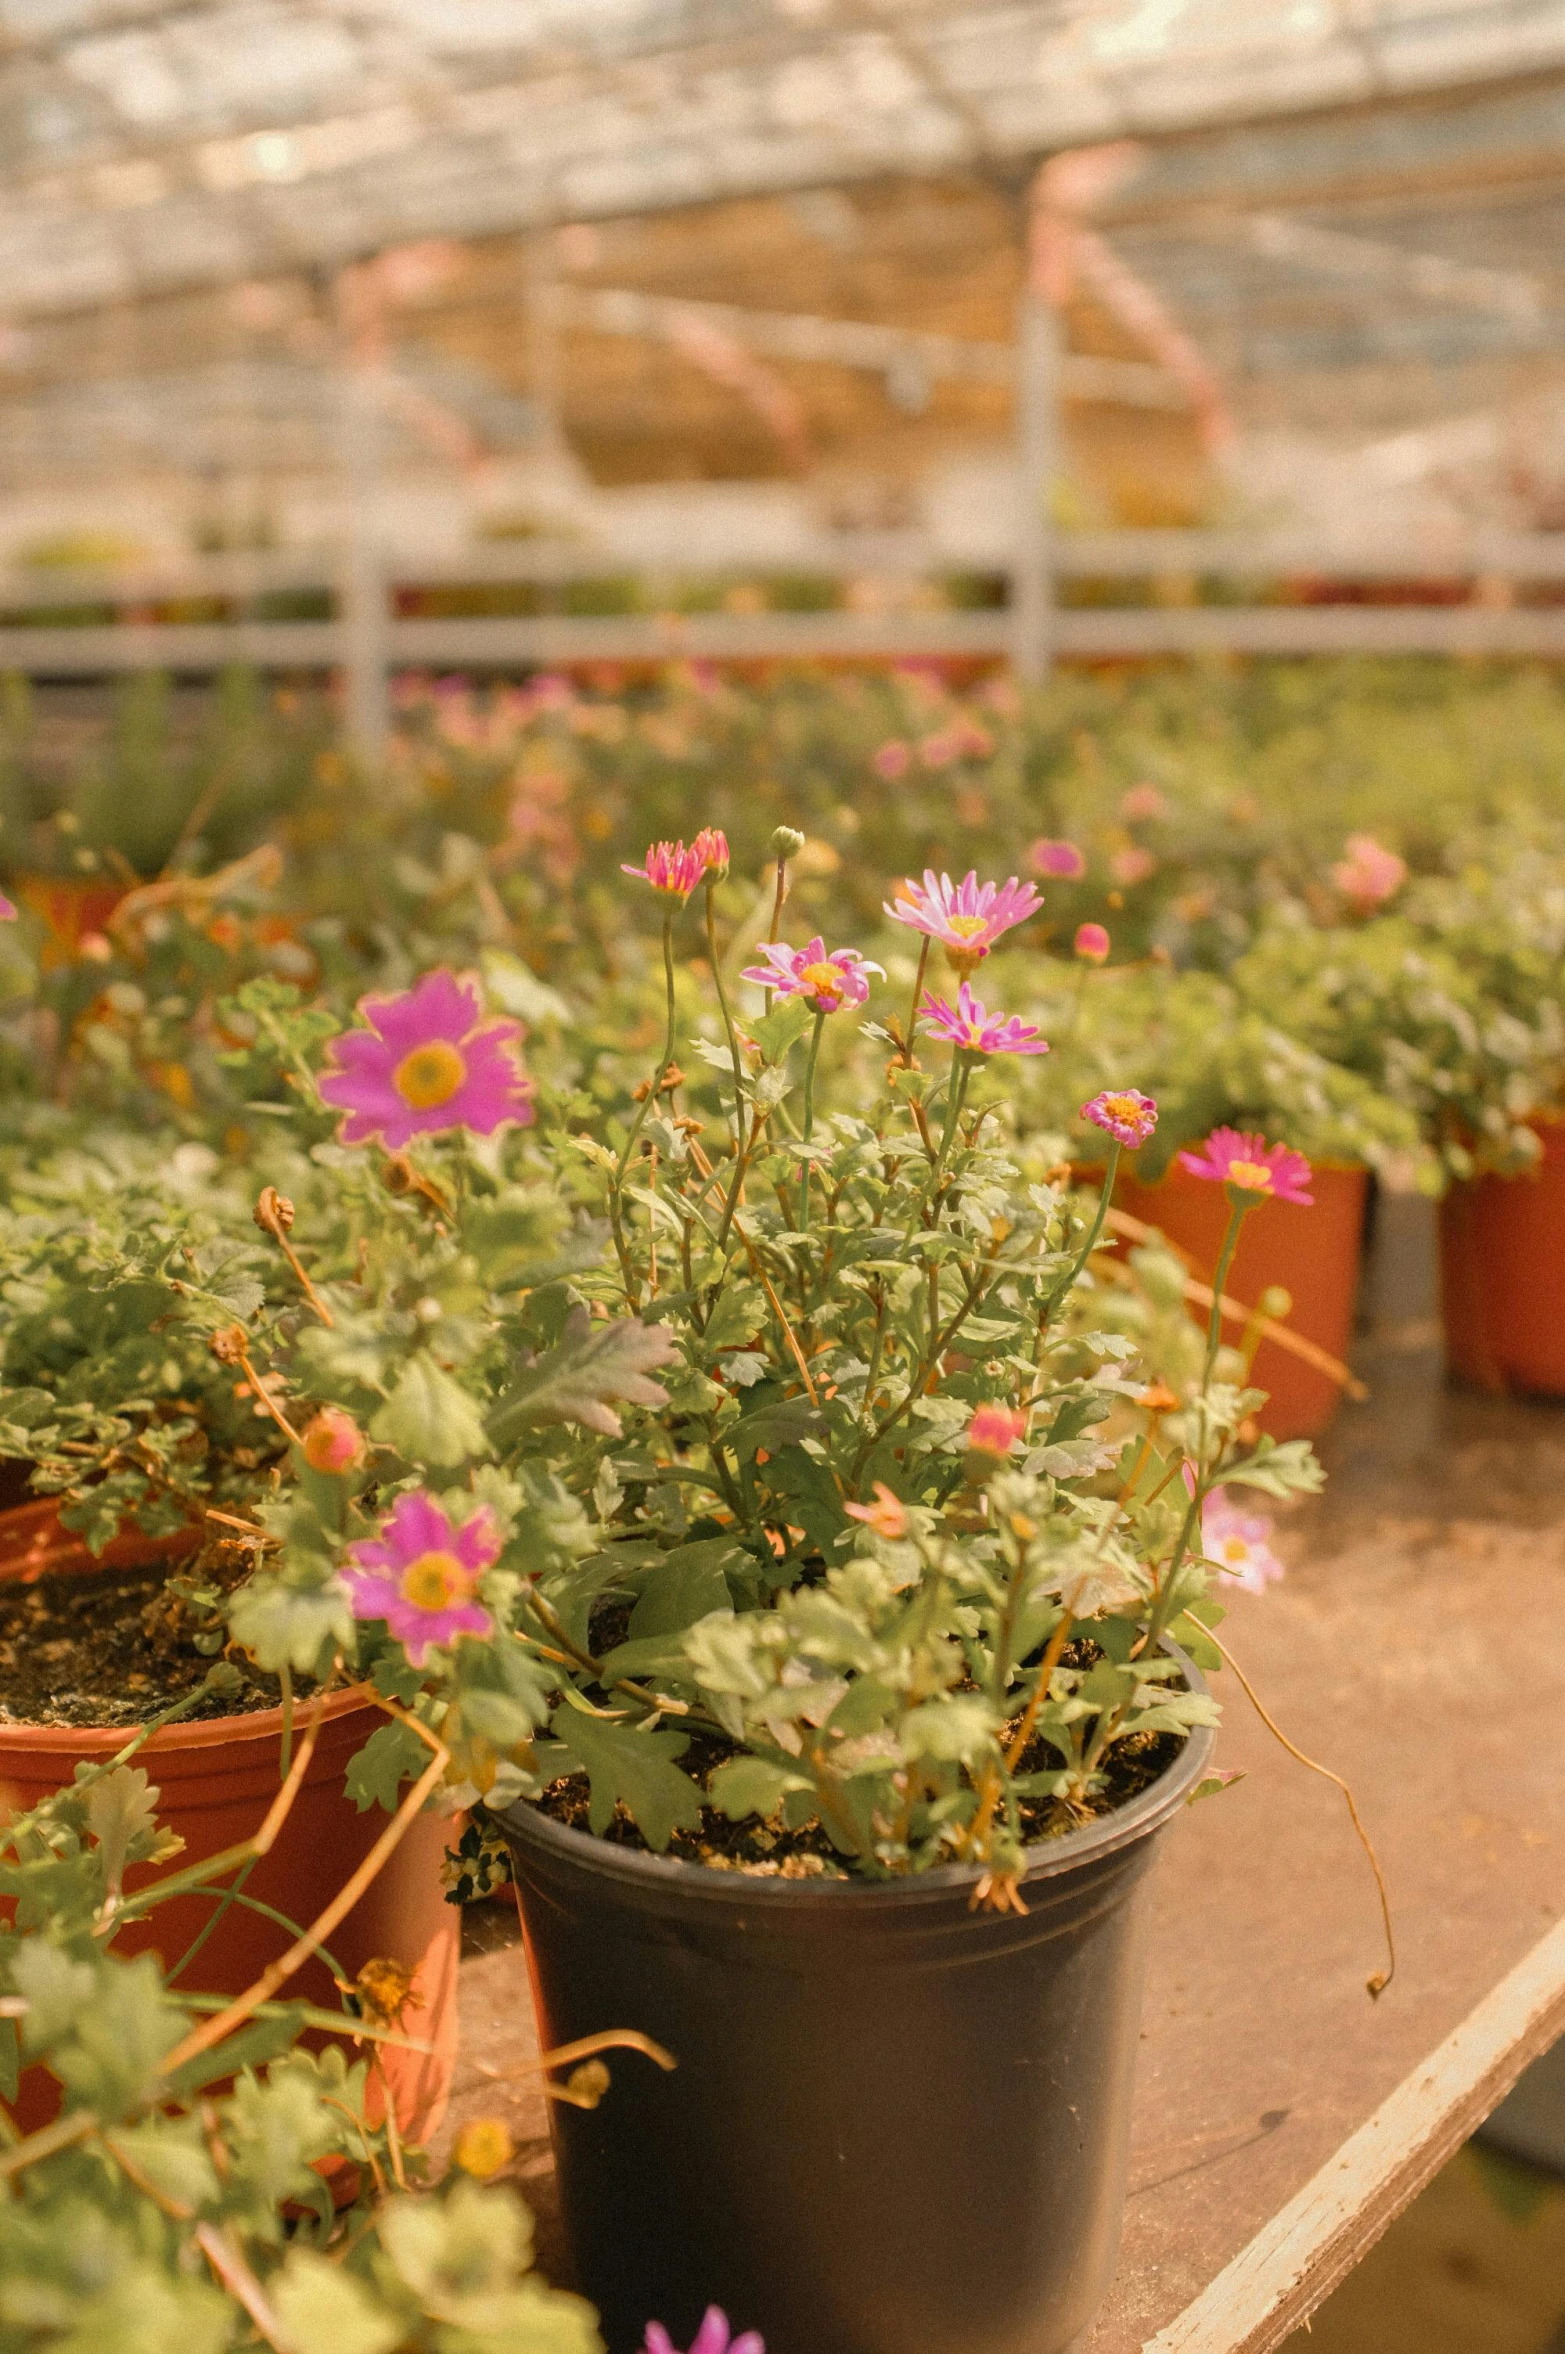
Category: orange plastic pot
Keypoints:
(1502, 1275)
(1314, 1254)
(217, 1779)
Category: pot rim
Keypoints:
(1049, 1859)
(95, 1741)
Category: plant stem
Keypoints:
(809, 1111)
(1067, 1283)
(918, 991)
(728, 1019)
(1214, 1330)
(656, 1088)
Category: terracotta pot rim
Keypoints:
(261, 1724)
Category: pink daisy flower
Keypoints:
(994, 1430)
(1062, 860)
(428, 1061)
(887, 1516)
(968, 917)
(1249, 1165)
(712, 845)
(1123, 1113)
(891, 759)
(1369, 873)
(1236, 1542)
(1091, 943)
(7, 911)
(971, 1026)
(421, 1573)
(713, 2337)
(672, 868)
(824, 982)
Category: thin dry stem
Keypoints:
(1234, 1311)
(241, 2283)
(1382, 1978)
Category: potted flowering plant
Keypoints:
(805, 1551)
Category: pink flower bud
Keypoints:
(1092, 943)
(333, 1441)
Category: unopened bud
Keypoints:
(273, 1211)
(333, 1441)
(786, 842)
(228, 1344)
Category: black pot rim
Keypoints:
(1049, 1859)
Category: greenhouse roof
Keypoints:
(153, 145)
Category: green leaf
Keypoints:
(1285, 1467)
(775, 1032)
(809, 1493)
(632, 1769)
(958, 1728)
(780, 1423)
(429, 1418)
(284, 1625)
(392, 1755)
(753, 1786)
(325, 2310)
(122, 1817)
(687, 1584)
(593, 1364)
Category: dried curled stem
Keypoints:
(274, 1214)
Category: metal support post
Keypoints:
(362, 600)
(1037, 464)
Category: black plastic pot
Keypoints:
(897, 2126)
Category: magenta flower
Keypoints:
(421, 1573)
(1123, 1113)
(891, 759)
(975, 1030)
(673, 868)
(712, 846)
(1251, 1168)
(824, 982)
(994, 1430)
(427, 1062)
(713, 2337)
(1091, 943)
(1369, 873)
(1236, 1543)
(7, 911)
(968, 917)
(1062, 860)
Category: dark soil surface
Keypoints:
(769, 1851)
(114, 1646)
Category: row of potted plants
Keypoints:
(787, 1520)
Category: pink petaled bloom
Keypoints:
(1237, 1543)
(1062, 860)
(968, 917)
(1123, 1113)
(994, 1430)
(972, 1027)
(428, 1061)
(941, 748)
(713, 2337)
(332, 1441)
(891, 760)
(825, 982)
(711, 844)
(7, 911)
(1092, 943)
(1143, 801)
(421, 1573)
(1370, 873)
(1132, 866)
(887, 1516)
(1251, 1166)
(672, 868)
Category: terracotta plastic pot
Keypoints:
(896, 2126)
(1502, 1275)
(217, 1778)
(1315, 1254)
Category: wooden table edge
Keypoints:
(1276, 2282)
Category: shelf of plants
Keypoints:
(555, 1296)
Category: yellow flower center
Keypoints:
(1250, 1176)
(967, 927)
(824, 979)
(1121, 1107)
(435, 1580)
(1235, 1549)
(430, 1075)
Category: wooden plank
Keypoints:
(1276, 2282)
